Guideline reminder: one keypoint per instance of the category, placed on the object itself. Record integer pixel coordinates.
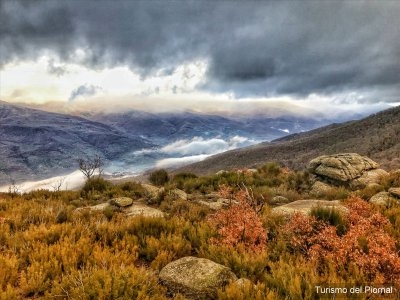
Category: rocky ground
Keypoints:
(196, 277)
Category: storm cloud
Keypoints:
(251, 48)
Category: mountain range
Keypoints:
(37, 144)
(376, 136)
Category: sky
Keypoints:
(309, 57)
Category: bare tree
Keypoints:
(89, 166)
(13, 188)
(58, 184)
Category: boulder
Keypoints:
(279, 200)
(395, 191)
(367, 178)
(121, 201)
(342, 167)
(216, 204)
(195, 278)
(98, 207)
(152, 193)
(382, 198)
(177, 194)
(139, 208)
(305, 206)
(320, 188)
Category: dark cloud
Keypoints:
(84, 90)
(259, 48)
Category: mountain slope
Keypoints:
(377, 136)
(168, 127)
(36, 144)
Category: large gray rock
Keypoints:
(121, 201)
(342, 167)
(152, 193)
(139, 208)
(279, 200)
(216, 204)
(320, 188)
(368, 177)
(382, 198)
(196, 278)
(177, 194)
(305, 206)
(97, 207)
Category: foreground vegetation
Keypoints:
(48, 249)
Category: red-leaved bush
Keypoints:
(239, 224)
(366, 244)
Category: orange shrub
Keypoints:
(366, 245)
(239, 224)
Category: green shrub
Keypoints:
(180, 179)
(332, 217)
(132, 189)
(62, 216)
(159, 177)
(369, 191)
(109, 212)
(393, 179)
(97, 184)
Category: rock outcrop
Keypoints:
(195, 278)
(177, 194)
(279, 200)
(348, 169)
(152, 193)
(342, 167)
(305, 206)
(121, 201)
(369, 177)
(216, 204)
(139, 208)
(320, 188)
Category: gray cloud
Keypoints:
(56, 69)
(252, 48)
(84, 90)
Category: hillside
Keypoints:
(377, 136)
(36, 144)
(164, 128)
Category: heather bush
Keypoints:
(95, 185)
(159, 177)
(366, 246)
(331, 216)
(393, 179)
(48, 249)
(239, 225)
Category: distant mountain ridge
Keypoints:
(36, 144)
(169, 127)
(377, 136)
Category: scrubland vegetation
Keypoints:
(49, 249)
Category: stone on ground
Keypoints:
(305, 206)
(139, 208)
(196, 278)
(121, 201)
(382, 198)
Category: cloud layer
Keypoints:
(252, 49)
